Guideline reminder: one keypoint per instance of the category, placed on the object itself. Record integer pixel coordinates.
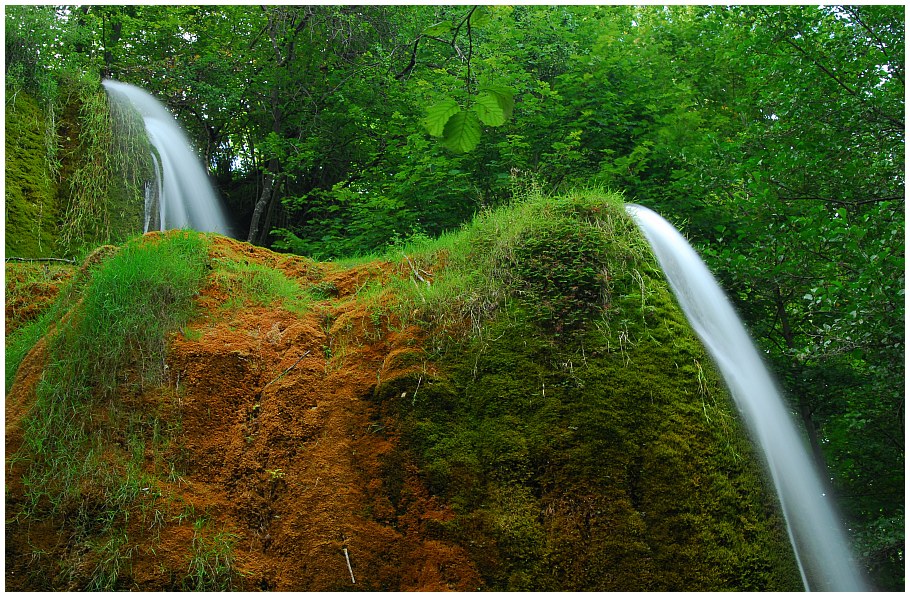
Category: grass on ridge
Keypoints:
(256, 284)
(82, 452)
(492, 260)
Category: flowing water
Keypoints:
(816, 531)
(181, 191)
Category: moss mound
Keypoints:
(582, 435)
(516, 406)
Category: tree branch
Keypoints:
(788, 39)
(854, 14)
(452, 44)
(845, 203)
(407, 70)
(39, 259)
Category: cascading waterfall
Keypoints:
(152, 195)
(185, 198)
(816, 531)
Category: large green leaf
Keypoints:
(438, 115)
(504, 97)
(438, 29)
(489, 109)
(462, 132)
(480, 16)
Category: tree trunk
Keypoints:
(264, 199)
(269, 215)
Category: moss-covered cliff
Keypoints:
(516, 406)
(32, 209)
(582, 433)
(74, 172)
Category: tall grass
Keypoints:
(111, 161)
(21, 341)
(82, 450)
(87, 214)
(212, 566)
(249, 283)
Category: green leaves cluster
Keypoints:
(460, 129)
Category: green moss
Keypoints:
(73, 180)
(32, 210)
(607, 459)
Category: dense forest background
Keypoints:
(773, 136)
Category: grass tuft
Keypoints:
(249, 283)
(211, 566)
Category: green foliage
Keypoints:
(554, 256)
(460, 129)
(439, 114)
(462, 132)
(87, 216)
(494, 105)
(31, 66)
(72, 183)
(140, 295)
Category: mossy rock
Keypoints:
(561, 275)
(32, 210)
(607, 458)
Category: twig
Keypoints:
(348, 560)
(416, 272)
(283, 373)
(414, 398)
(28, 259)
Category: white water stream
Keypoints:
(816, 531)
(184, 196)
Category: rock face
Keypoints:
(278, 432)
(336, 439)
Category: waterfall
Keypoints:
(185, 197)
(816, 531)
